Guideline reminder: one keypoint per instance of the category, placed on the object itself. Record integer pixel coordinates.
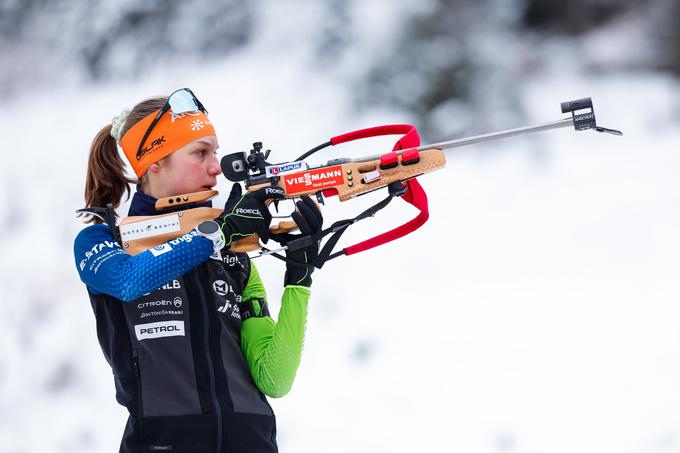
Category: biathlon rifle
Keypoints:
(344, 177)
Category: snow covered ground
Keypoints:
(537, 311)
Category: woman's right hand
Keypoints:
(247, 215)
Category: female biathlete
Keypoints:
(185, 326)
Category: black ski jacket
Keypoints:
(177, 362)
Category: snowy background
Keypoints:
(537, 311)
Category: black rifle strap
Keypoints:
(337, 230)
(341, 227)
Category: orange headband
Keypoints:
(169, 134)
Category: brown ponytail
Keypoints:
(106, 180)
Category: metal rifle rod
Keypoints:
(582, 118)
(565, 122)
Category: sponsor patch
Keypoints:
(248, 211)
(321, 178)
(274, 191)
(159, 330)
(160, 249)
(231, 260)
(150, 227)
(98, 248)
(278, 170)
(221, 287)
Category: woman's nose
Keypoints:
(214, 168)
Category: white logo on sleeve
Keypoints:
(160, 249)
(159, 329)
(98, 248)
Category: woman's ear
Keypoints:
(155, 167)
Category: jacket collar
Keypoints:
(143, 204)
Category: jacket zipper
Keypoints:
(140, 406)
(211, 365)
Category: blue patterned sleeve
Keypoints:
(105, 268)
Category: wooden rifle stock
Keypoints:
(140, 233)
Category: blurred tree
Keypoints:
(659, 19)
(333, 32)
(667, 36)
(162, 30)
(443, 67)
(50, 41)
(574, 16)
(456, 64)
(429, 64)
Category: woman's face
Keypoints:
(192, 168)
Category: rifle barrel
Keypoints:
(565, 122)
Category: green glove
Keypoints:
(247, 215)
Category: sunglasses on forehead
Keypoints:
(181, 101)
